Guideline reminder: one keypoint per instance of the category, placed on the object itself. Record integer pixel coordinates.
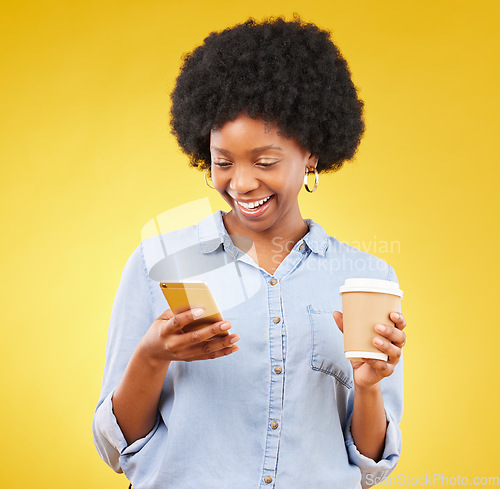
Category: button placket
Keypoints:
(276, 345)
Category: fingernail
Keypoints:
(378, 341)
(395, 315)
(198, 312)
(380, 328)
(235, 339)
(225, 326)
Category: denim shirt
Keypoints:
(275, 414)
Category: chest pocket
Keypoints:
(327, 347)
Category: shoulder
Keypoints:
(168, 247)
(354, 262)
(348, 261)
(157, 246)
(164, 253)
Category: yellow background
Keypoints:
(87, 160)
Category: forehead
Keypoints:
(246, 132)
(245, 125)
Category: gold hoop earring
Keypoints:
(206, 181)
(316, 180)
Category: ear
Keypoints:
(312, 162)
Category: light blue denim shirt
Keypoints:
(275, 414)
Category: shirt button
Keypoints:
(273, 281)
(276, 320)
(302, 246)
(274, 425)
(277, 370)
(268, 480)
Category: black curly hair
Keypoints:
(288, 73)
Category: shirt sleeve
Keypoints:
(131, 316)
(372, 472)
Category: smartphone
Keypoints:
(182, 296)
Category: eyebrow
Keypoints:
(254, 150)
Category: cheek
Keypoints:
(221, 181)
(292, 181)
(218, 178)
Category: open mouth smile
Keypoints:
(254, 208)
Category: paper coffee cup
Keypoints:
(365, 303)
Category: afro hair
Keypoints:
(287, 73)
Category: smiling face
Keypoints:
(259, 173)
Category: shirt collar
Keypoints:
(212, 233)
(316, 239)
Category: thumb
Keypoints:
(166, 315)
(339, 319)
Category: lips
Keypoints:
(254, 204)
(254, 208)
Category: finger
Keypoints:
(207, 347)
(393, 334)
(215, 354)
(180, 341)
(383, 368)
(339, 319)
(201, 335)
(178, 321)
(166, 315)
(398, 319)
(390, 349)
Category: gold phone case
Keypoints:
(182, 296)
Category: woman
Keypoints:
(259, 106)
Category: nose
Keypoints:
(243, 179)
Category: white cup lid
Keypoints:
(371, 285)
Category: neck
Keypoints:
(285, 233)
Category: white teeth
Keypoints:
(253, 205)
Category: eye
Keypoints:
(267, 164)
(222, 164)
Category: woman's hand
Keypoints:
(165, 340)
(136, 398)
(369, 372)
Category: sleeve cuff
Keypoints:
(109, 439)
(375, 472)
